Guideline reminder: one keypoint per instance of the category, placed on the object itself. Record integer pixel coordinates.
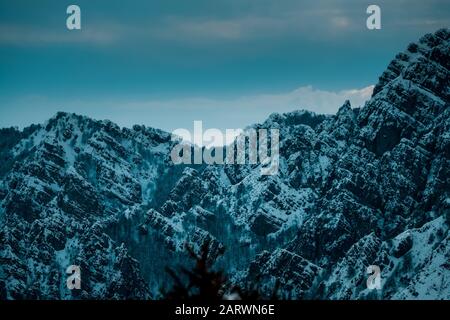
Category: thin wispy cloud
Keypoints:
(215, 113)
(320, 20)
(27, 35)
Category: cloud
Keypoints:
(169, 115)
(249, 23)
(175, 28)
(251, 26)
(340, 22)
(232, 21)
(423, 22)
(307, 97)
(22, 35)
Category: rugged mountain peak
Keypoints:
(363, 187)
(410, 95)
(298, 117)
(431, 50)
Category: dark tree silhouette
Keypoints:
(206, 285)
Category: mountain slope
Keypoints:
(363, 187)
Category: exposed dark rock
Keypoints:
(367, 186)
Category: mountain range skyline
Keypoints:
(361, 188)
(230, 64)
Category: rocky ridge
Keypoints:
(367, 186)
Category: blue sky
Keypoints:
(166, 63)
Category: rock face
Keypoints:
(364, 187)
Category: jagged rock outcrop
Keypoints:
(367, 186)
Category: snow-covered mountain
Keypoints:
(367, 186)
